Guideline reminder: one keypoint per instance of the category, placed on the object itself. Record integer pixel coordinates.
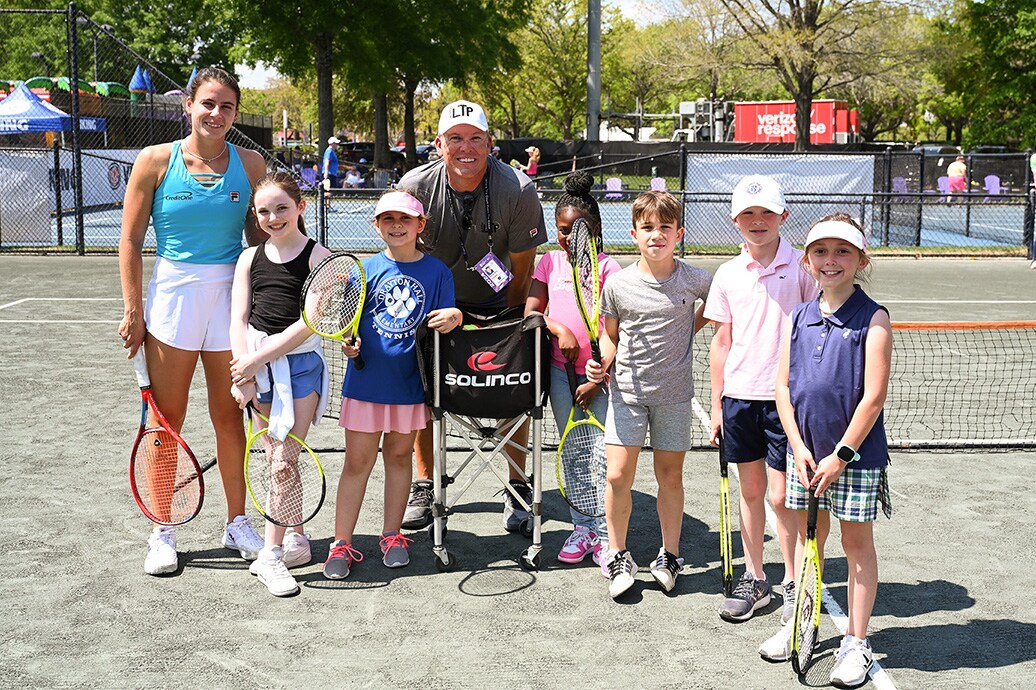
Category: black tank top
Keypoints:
(276, 289)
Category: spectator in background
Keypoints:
(496, 153)
(353, 178)
(331, 162)
(533, 165)
(958, 173)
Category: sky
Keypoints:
(640, 11)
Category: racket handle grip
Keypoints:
(357, 361)
(140, 368)
(595, 351)
(570, 371)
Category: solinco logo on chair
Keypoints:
(482, 362)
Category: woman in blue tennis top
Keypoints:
(196, 193)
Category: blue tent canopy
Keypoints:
(23, 111)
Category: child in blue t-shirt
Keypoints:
(832, 381)
(383, 403)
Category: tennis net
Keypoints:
(953, 385)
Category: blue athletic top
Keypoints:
(199, 224)
(399, 297)
(827, 360)
(330, 161)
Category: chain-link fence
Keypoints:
(62, 185)
(901, 197)
(62, 188)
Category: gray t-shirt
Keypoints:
(517, 218)
(656, 333)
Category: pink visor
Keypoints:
(400, 202)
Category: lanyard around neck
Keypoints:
(466, 220)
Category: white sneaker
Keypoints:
(622, 572)
(270, 569)
(852, 662)
(296, 549)
(240, 536)
(778, 647)
(161, 551)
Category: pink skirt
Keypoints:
(368, 417)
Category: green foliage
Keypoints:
(998, 89)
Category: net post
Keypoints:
(57, 191)
(77, 152)
(920, 200)
(683, 194)
(1030, 199)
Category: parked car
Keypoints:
(989, 149)
(938, 150)
(423, 150)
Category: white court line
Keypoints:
(958, 301)
(59, 299)
(881, 678)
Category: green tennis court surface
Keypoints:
(953, 607)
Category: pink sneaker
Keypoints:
(581, 542)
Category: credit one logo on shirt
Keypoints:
(181, 196)
(482, 362)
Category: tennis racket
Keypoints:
(332, 299)
(165, 478)
(581, 460)
(726, 541)
(807, 596)
(285, 479)
(586, 280)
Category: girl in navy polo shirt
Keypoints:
(383, 403)
(831, 388)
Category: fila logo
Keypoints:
(235, 197)
(461, 110)
(483, 361)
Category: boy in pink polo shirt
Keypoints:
(751, 298)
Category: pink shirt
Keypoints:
(756, 301)
(555, 272)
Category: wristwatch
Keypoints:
(847, 453)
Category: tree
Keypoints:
(998, 88)
(808, 44)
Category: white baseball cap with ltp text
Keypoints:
(757, 190)
(463, 113)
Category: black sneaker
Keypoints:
(749, 595)
(514, 513)
(418, 513)
(665, 569)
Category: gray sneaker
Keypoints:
(788, 610)
(418, 513)
(749, 595)
(394, 550)
(514, 513)
(340, 560)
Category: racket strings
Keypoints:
(583, 468)
(166, 478)
(286, 478)
(334, 295)
(808, 615)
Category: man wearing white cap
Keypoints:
(485, 222)
(331, 162)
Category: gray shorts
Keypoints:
(628, 424)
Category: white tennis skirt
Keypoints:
(188, 305)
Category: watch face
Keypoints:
(846, 454)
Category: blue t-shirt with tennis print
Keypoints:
(399, 297)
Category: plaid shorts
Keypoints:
(854, 497)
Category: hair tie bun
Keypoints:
(579, 183)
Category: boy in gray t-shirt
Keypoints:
(650, 322)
